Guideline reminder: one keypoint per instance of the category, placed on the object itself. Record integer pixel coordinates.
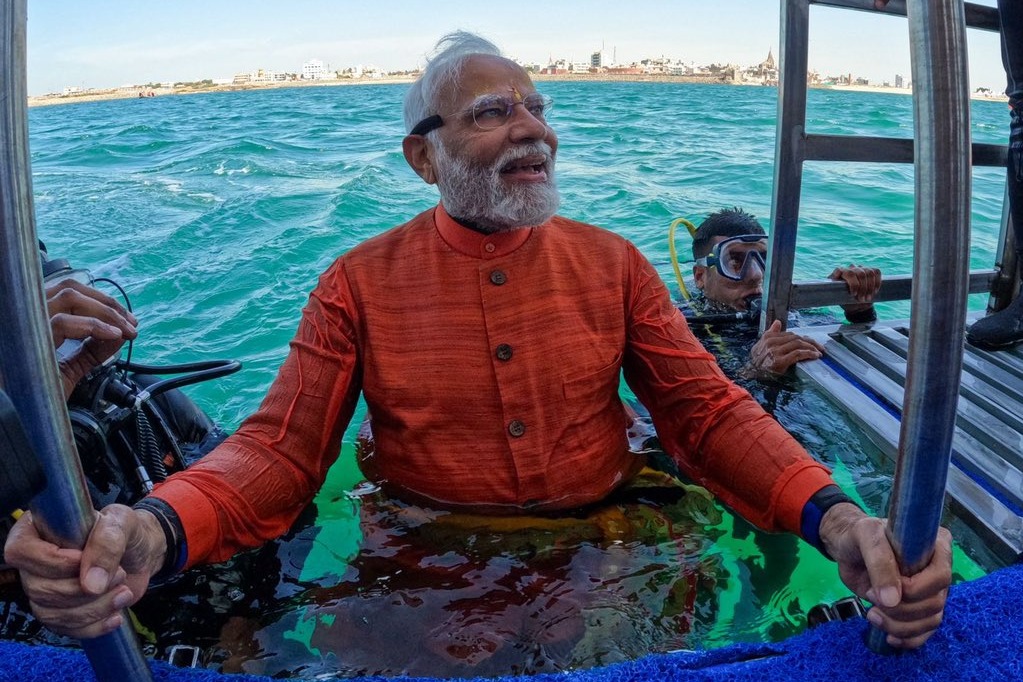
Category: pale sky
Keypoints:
(103, 43)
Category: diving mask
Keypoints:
(738, 257)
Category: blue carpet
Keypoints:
(980, 640)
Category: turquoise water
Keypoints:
(218, 211)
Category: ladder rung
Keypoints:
(977, 16)
(817, 293)
(982, 17)
(887, 150)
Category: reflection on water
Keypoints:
(658, 568)
(434, 593)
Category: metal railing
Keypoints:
(943, 181)
(28, 369)
(942, 154)
(796, 145)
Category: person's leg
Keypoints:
(1011, 13)
(1005, 328)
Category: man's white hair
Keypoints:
(450, 55)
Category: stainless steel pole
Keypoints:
(937, 32)
(28, 370)
(789, 154)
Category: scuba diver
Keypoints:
(730, 252)
(131, 428)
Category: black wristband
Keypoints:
(173, 534)
(861, 316)
(814, 511)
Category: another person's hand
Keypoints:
(80, 593)
(863, 283)
(908, 609)
(776, 351)
(80, 312)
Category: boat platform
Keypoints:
(978, 640)
(864, 373)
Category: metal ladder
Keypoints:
(796, 145)
(866, 366)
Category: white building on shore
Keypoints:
(315, 70)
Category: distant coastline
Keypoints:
(97, 95)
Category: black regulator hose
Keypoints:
(152, 458)
(199, 371)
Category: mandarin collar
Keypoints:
(476, 244)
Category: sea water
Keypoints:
(216, 212)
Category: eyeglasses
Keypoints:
(738, 257)
(493, 111)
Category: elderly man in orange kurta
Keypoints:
(488, 337)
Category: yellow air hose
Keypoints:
(674, 253)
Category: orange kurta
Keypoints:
(491, 365)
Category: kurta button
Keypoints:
(498, 277)
(489, 247)
(516, 428)
(504, 352)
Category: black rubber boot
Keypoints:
(999, 330)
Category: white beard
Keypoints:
(478, 194)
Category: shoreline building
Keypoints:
(764, 73)
(312, 70)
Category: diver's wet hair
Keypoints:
(728, 222)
